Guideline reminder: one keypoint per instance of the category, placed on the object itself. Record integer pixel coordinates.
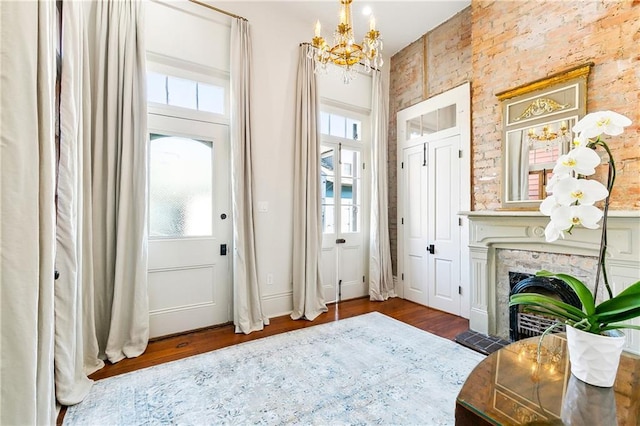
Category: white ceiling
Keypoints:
(400, 22)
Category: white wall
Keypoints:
(188, 32)
(276, 38)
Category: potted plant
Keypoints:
(593, 337)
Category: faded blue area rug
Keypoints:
(369, 369)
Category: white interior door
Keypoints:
(434, 146)
(342, 262)
(189, 225)
(415, 224)
(329, 256)
(443, 259)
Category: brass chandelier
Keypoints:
(345, 52)
(548, 136)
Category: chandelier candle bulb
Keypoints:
(372, 23)
(318, 28)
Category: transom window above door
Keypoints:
(431, 122)
(185, 93)
(340, 126)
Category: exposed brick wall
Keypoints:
(448, 64)
(498, 45)
(514, 43)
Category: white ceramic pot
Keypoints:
(594, 357)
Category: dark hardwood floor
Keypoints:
(197, 342)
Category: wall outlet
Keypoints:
(269, 279)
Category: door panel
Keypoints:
(328, 261)
(342, 242)
(441, 126)
(444, 264)
(350, 267)
(189, 186)
(328, 269)
(415, 225)
(198, 288)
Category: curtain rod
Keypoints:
(208, 6)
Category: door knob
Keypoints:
(341, 241)
(431, 249)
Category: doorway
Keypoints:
(344, 205)
(189, 225)
(433, 188)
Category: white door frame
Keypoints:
(330, 250)
(461, 96)
(196, 258)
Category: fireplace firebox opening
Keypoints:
(523, 325)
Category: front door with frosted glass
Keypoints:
(189, 225)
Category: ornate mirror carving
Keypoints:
(537, 122)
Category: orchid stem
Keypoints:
(611, 177)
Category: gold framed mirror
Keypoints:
(536, 130)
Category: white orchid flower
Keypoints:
(596, 123)
(552, 232)
(548, 205)
(580, 160)
(584, 191)
(580, 141)
(564, 217)
(557, 177)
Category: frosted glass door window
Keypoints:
(180, 187)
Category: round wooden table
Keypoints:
(516, 385)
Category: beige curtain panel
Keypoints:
(380, 269)
(27, 208)
(308, 298)
(101, 297)
(118, 187)
(247, 308)
(73, 288)
(59, 332)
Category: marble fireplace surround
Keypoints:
(524, 230)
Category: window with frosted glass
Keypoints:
(180, 187)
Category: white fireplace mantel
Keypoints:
(524, 230)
